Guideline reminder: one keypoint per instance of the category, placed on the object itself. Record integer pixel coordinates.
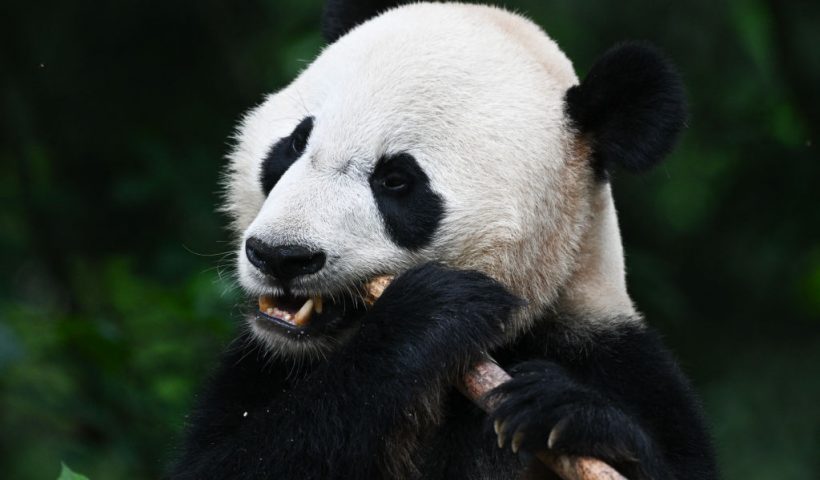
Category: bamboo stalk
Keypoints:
(487, 375)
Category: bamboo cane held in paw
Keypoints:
(487, 375)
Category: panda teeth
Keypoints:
(303, 315)
(269, 306)
(266, 304)
(317, 304)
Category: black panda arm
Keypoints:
(333, 422)
(617, 395)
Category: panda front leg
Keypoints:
(428, 326)
(618, 396)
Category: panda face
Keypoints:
(431, 133)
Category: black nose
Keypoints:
(285, 262)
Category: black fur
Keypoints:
(411, 210)
(631, 106)
(331, 421)
(340, 16)
(618, 394)
(284, 153)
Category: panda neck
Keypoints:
(597, 286)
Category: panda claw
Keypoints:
(556, 432)
(517, 439)
(501, 434)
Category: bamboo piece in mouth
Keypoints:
(485, 376)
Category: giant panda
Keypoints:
(453, 146)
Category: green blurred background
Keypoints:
(116, 291)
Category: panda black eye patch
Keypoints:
(283, 153)
(411, 210)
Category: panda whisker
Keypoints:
(198, 254)
(250, 346)
(301, 101)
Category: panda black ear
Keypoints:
(340, 16)
(631, 106)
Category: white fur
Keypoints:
(475, 94)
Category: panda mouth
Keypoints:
(294, 311)
(302, 315)
(297, 315)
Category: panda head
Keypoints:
(452, 133)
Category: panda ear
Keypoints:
(340, 16)
(631, 106)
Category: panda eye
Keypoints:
(396, 175)
(396, 182)
(409, 207)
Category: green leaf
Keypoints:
(68, 474)
(752, 21)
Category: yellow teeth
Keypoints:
(303, 315)
(317, 304)
(266, 304)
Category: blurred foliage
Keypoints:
(116, 293)
(68, 474)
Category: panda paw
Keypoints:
(461, 308)
(542, 409)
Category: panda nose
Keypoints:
(284, 262)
